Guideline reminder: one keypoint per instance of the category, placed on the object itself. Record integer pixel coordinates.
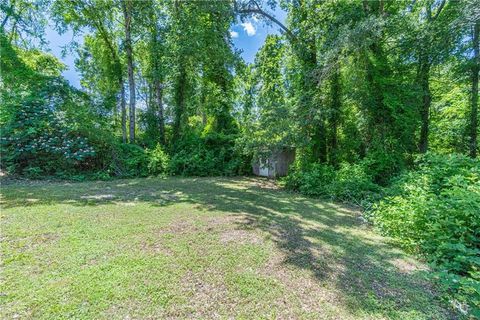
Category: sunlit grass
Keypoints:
(198, 248)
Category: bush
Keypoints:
(129, 160)
(33, 172)
(382, 165)
(312, 180)
(37, 141)
(48, 128)
(353, 184)
(158, 161)
(435, 210)
(350, 183)
(214, 154)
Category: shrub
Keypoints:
(48, 127)
(312, 180)
(33, 172)
(350, 183)
(382, 165)
(158, 161)
(353, 184)
(129, 160)
(37, 141)
(435, 210)
(213, 154)
(100, 175)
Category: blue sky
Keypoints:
(248, 36)
(56, 43)
(251, 34)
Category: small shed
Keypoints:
(276, 164)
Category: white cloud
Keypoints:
(234, 34)
(249, 28)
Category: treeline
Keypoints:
(374, 80)
(152, 73)
(378, 98)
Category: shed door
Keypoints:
(263, 170)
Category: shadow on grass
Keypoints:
(358, 264)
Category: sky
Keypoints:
(248, 37)
(56, 44)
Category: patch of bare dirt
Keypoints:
(308, 291)
(239, 236)
(408, 266)
(265, 184)
(206, 292)
(228, 228)
(32, 242)
(180, 227)
(156, 247)
(98, 197)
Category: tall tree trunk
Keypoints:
(474, 111)
(7, 16)
(380, 119)
(161, 121)
(423, 78)
(118, 72)
(179, 101)
(316, 128)
(115, 113)
(126, 6)
(377, 70)
(158, 87)
(335, 92)
(123, 110)
(203, 110)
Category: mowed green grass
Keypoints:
(198, 248)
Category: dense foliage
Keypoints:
(42, 128)
(360, 89)
(435, 209)
(211, 154)
(350, 182)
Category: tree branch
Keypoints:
(8, 12)
(440, 8)
(260, 11)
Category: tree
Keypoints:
(99, 16)
(127, 22)
(474, 94)
(269, 125)
(24, 21)
(427, 47)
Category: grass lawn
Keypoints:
(198, 248)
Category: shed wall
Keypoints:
(276, 165)
(283, 160)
